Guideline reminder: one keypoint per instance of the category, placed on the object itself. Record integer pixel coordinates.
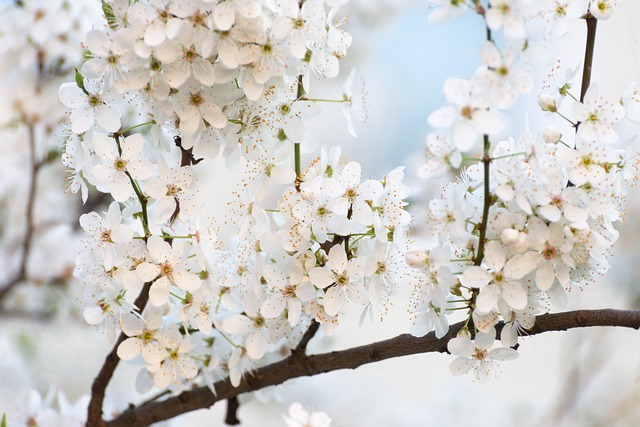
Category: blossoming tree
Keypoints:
(166, 86)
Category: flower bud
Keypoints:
(547, 103)
(551, 135)
(509, 236)
(417, 259)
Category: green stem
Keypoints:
(322, 100)
(566, 118)
(123, 131)
(296, 145)
(506, 156)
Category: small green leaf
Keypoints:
(80, 83)
(4, 421)
(107, 9)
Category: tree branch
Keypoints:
(402, 345)
(100, 383)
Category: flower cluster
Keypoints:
(534, 215)
(233, 77)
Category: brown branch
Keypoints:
(25, 248)
(99, 386)
(231, 419)
(402, 345)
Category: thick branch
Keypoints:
(99, 386)
(402, 345)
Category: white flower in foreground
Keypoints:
(142, 337)
(345, 276)
(597, 117)
(112, 171)
(178, 362)
(502, 281)
(168, 268)
(602, 9)
(300, 417)
(476, 356)
(290, 292)
(171, 189)
(89, 108)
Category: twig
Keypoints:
(21, 274)
(301, 348)
(231, 419)
(402, 345)
(592, 24)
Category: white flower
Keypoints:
(475, 355)
(253, 328)
(169, 268)
(142, 338)
(314, 210)
(106, 234)
(502, 282)
(111, 57)
(468, 117)
(88, 108)
(353, 105)
(117, 162)
(509, 14)
(171, 189)
(597, 117)
(301, 26)
(290, 292)
(343, 277)
(178, 363)
(602, 9)
(500, 78)
(631, 102)
(300, 417)
(447, 9)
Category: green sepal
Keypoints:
(80, 82)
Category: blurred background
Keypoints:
(574, 378)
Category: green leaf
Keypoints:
(80, 83)
(107, 10)
(4, 421)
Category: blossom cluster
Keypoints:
(531, 216)
(205, 76)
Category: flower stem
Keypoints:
(487, 201)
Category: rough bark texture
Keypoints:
(300, 365)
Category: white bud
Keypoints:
(551, 135)
(547, 103)
(417, 259)
(509, 236)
